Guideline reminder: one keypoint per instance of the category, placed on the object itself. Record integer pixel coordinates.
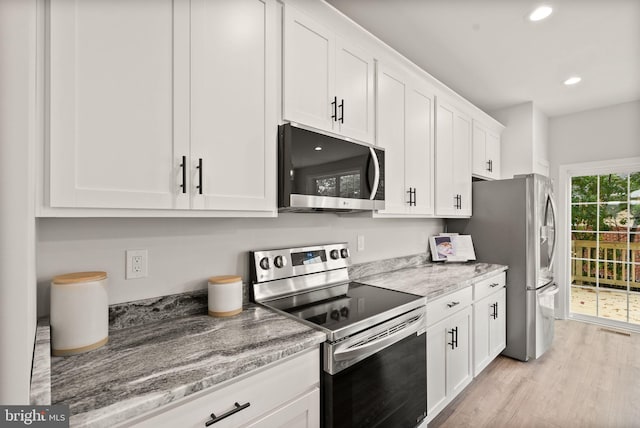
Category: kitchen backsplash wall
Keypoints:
(184, 252)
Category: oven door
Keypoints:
(385, 389)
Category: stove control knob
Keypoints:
(344, 311)
(264, 263)
(334, 254)
(335, 314)
(344, 253)
(280, 261)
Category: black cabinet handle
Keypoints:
(236, 409)
(183, 165)
(334, 106)
(199, 186)
(452, 304)
(453, 341)
(455, 202)
(415, 191)
(496, 316)
(412, 196)
(341, 111)
(456, 337)
(494, 284)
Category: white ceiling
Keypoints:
(489, 53)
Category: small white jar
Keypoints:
(79, 312)
(225, 295)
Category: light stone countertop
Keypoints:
(433, 280)
(146, 366)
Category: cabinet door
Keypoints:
(482, 317)
(309, 71)
(392, 90)
(437, 344)
(458, 370)
(233, 113)
(480, 162)
(354, 91)
(116, 136)
(498, 326)
(303, 412)
(493, 154)
(462, 161)
(445, 190)
(419, 148)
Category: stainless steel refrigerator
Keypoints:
(514, 223)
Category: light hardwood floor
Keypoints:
(590, 378)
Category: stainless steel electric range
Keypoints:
(374, 359)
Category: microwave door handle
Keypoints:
(376, 169)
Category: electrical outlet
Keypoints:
(360, 242)
(136, 264)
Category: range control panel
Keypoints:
(269, 265)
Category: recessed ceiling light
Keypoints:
(540, 13)
(572, 80)
(317, 148)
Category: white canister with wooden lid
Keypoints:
(225, 295)
(79, 312)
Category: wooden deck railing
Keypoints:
(612, 274)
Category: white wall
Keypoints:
(516, 140)
(540, 141)
(17, 186)
(183, 253)
(605, 134)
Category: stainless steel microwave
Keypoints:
(317, 172)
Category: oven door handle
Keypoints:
(376, 345)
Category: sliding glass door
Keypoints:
(605, 247)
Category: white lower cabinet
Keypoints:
(489, 321)
(448, 350)
(286, 394)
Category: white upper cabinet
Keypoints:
(233, 117)
(328, 82)
(453, 161)
(486, 151)
(143, 93)
(113, 138)
(405, 109)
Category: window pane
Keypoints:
(613, 187)
(634, 277)
(583, 217)
(634, 308)
(583, 245)
(614, 217)
(613, 275)
(612, 305)
(583, 301)
(613, 247)
(583, 272)
(634, 181)
(634, 217)
(584, 189)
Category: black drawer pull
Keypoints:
(494, 284)
(452, 304)
(183, 165)
(236, 409)
(334, 109)
(341, 119)
(200, 186)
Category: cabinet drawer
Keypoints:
(265, 391)
(482, 289)
(448, 305)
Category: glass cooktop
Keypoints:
(360, 302)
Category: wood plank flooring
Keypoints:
(590, 378)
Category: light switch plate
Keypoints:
(136, 264)
(360, 242)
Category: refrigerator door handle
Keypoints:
(555, 238)
(553, 289)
